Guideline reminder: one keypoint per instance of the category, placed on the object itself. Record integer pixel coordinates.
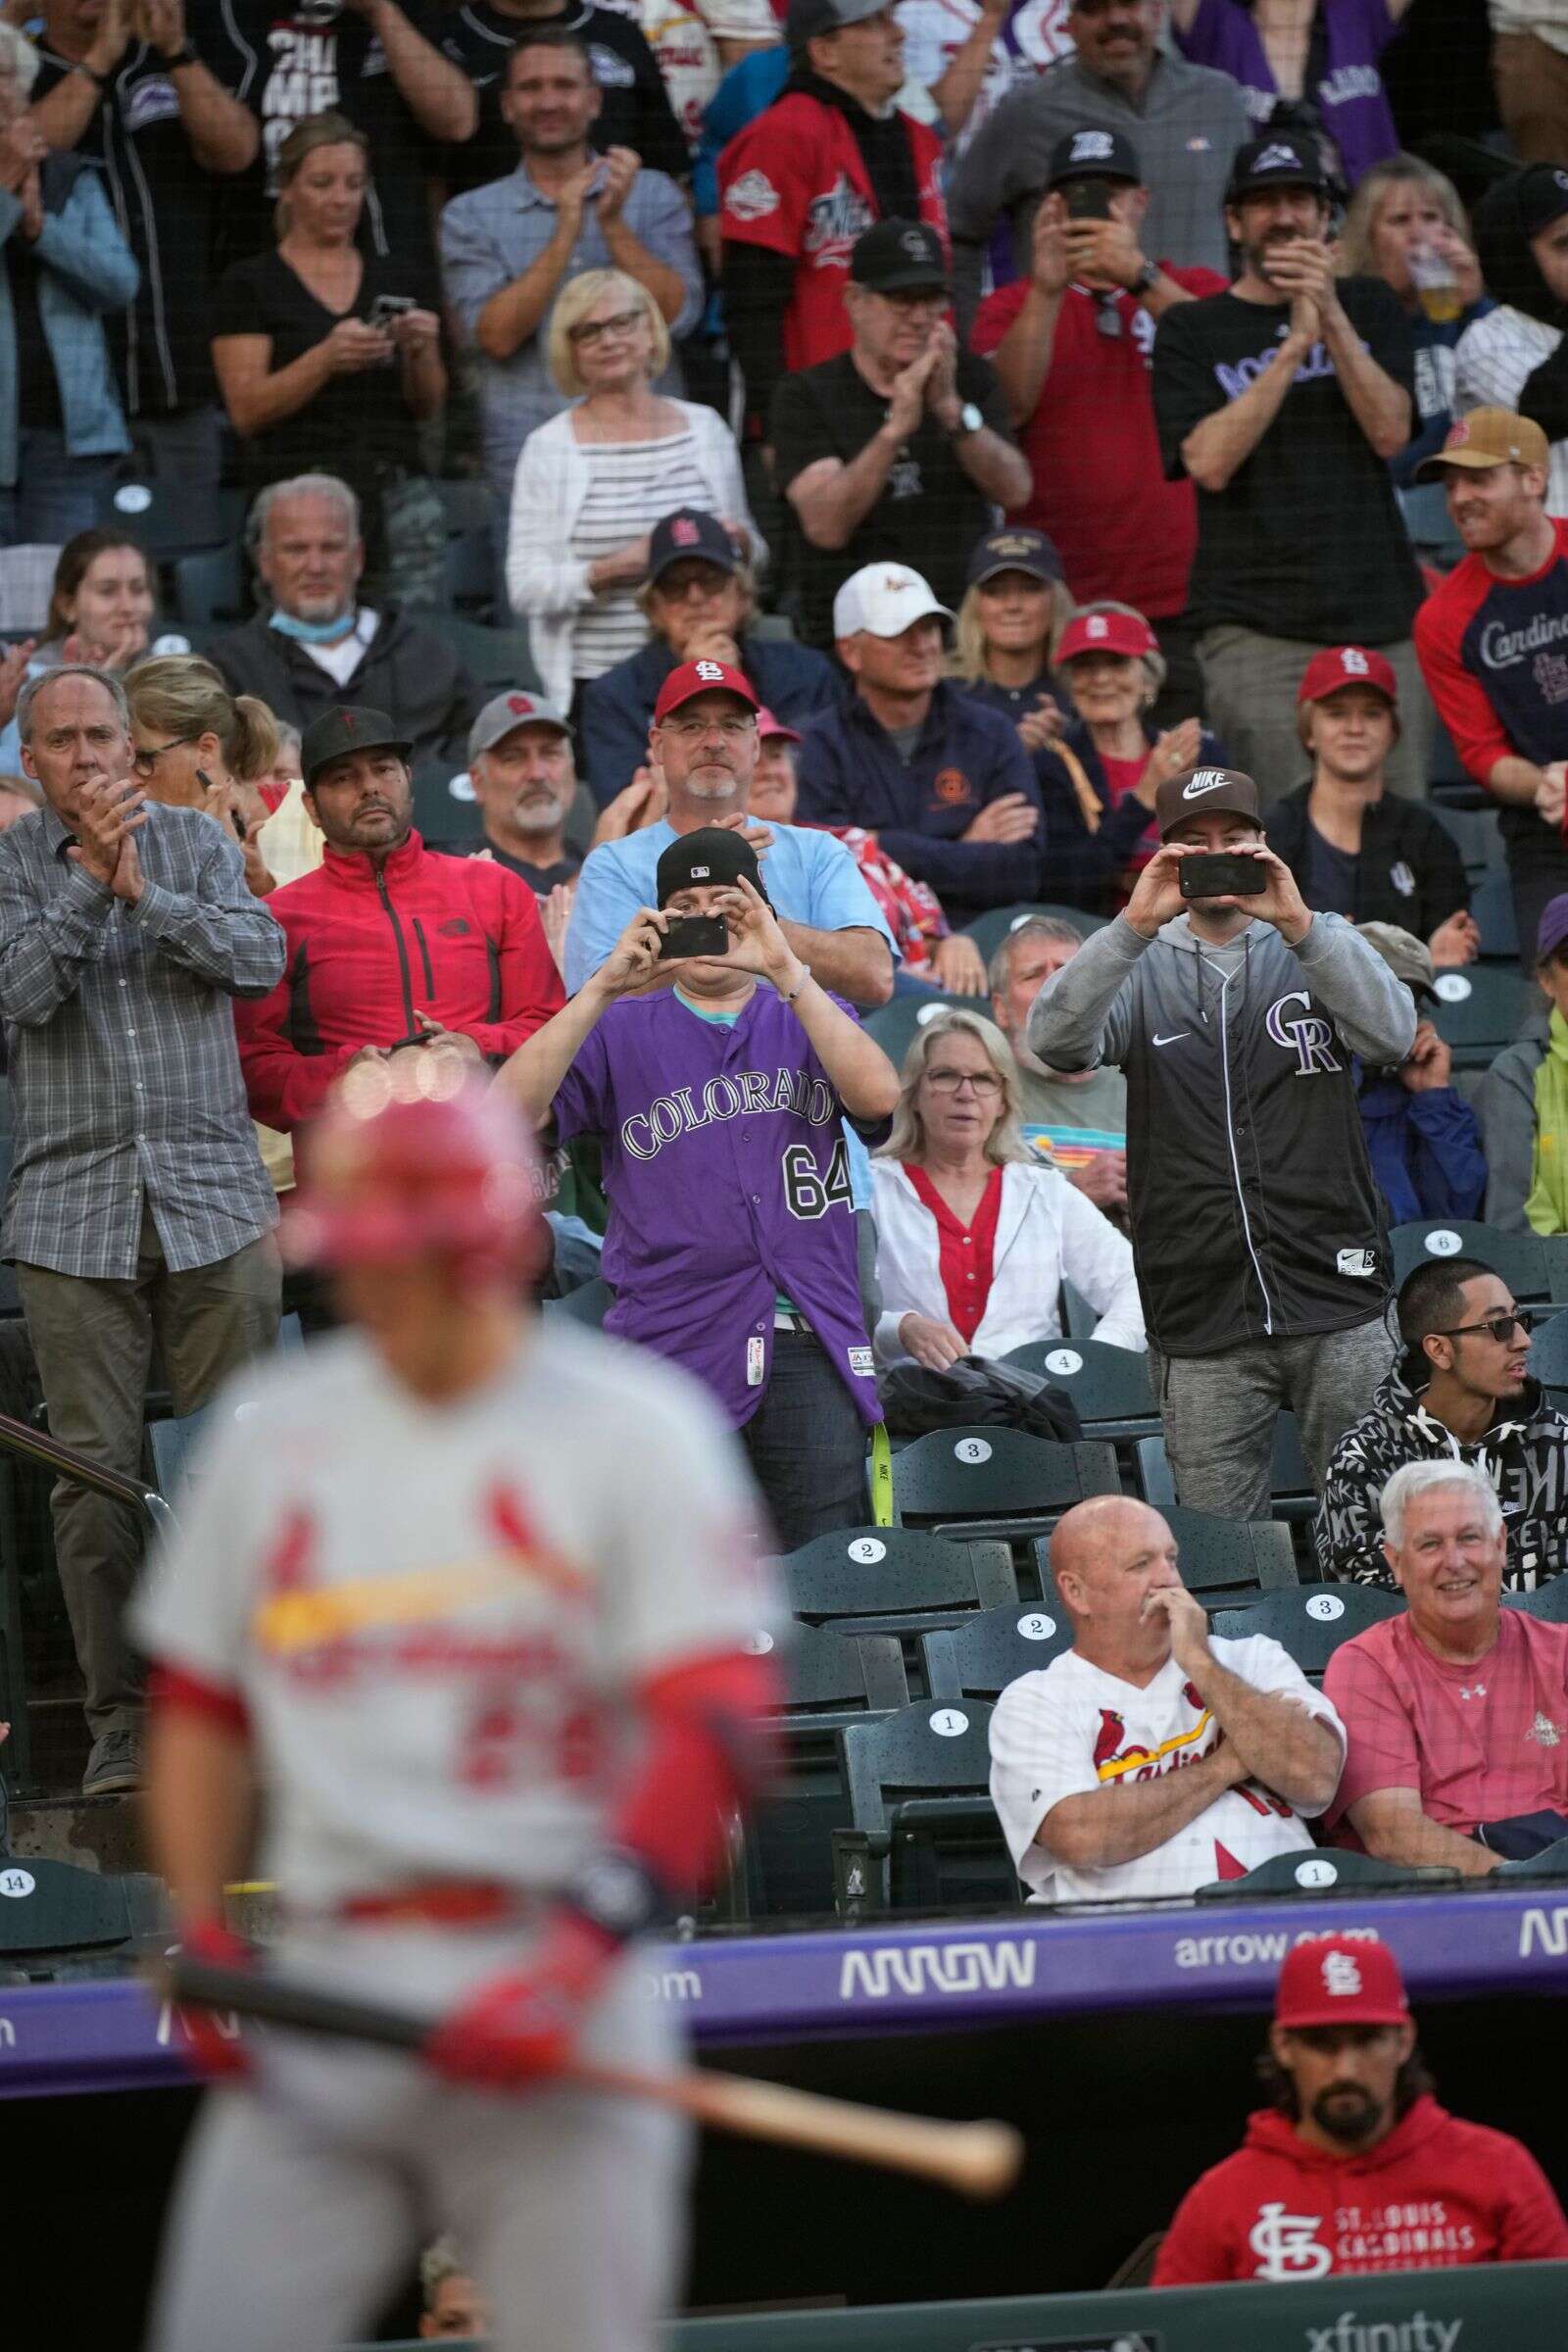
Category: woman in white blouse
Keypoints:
(591, 483)
(975, 1235)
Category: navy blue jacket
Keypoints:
(850, 774)
(1425, 1150)
(792, 680)
(1081, 868)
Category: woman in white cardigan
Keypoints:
(591, 483)
(974, 1234)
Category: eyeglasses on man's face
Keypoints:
(1500, 1328)
(691, 730)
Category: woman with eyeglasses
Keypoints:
(593, 482)
(975, 1236)
(199, 747)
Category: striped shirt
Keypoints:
(631, 485)
(1491, 363)
(125, 1074)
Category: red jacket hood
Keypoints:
(1276, 2135)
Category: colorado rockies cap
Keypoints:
(504, 711)
(1093, 154)
(1552, 928)
(1408, 957)
(1340, 1980)
(884, 599)
(702, 677)
(1274, 162)
(808, 18)
(894, 257)
(690, 532)
(1198, 790)
(1340, 665)
(347, 727)
(1483, 437)
(1017, 549)
(712, 855)
(1100, 632)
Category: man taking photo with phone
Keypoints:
(1257, 1221)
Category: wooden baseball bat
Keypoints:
(975, 2159)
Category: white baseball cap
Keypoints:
(884, 599)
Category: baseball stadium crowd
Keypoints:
(711, 564)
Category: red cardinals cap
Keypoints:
(702, 677)
(1347, 665)
(773, 730)
(1341, 1981)
(1092, 632)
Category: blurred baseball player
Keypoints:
(465, 1602)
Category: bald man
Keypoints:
(1151, 1759)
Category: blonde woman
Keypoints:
(1014, 608)
(327, 362)
(199, 747)
(592, 482)
(975, 1236)
(1407, 227)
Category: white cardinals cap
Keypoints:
(884, 599)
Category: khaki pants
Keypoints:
(94, 1341)
(1250, 682)
(1532, 84)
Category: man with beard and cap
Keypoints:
(524, 779)
(1283, 398)
(1257, 1221)
(392, 947)
(719, 1108)
(1353, 2168)
(1460, 1393)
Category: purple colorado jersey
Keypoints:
(728, 1183)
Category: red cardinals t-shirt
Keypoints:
(1100, 487)
(796, 182)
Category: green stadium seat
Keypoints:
(210, 587)
(979, 1658)
(1290, 1483)
(1550, 1863)
(988, 930)
(925, 1833)
(1109, 1386)
(1548, 1352)
(1226, 1562)
(833, 1678)
(1310, 1621)
(894, 1025)
(996, 1481)
(445, 811)
(888, 1580)
(1340, 1871)
(831, 1681)
(1519, 1257)
(1549, 1601)
(66, 1909)
(1492, 906)
(1480, 1010)
(1554, 1249)
(1078, 1317)
(494, 659)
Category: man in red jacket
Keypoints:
(1356, 2167)
(391, 947)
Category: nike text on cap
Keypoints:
(1340, 665)
(884, 599)
(1340, 1980)
(1200, 789)
(702, 677)
(1483, 437)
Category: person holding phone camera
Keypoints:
(719, 1107)
(1257, 1221)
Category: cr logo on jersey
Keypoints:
(1310, 1039)
(1287, 2244)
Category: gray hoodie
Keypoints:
(1254, 1210)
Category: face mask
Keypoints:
(312, 632)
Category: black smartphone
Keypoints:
(387, 307)
(1223, 874)
(695, 935)
(1087, 200)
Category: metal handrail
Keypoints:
(47, 1453)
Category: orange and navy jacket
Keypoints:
(456, 938)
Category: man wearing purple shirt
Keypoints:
(719, 1105)
(1324, 53)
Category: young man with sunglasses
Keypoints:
(1461, 1392)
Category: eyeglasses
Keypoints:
(594, 330)
(691, 730)
(1496, 1327)
(948, 1082)
(146, 761)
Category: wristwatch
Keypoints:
(1147, 276)
(970, 422)
(184, 55)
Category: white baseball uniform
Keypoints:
(434, 1621)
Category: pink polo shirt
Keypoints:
(1480, 1742)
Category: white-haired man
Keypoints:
(1457, 1710)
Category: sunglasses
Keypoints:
(1500, 1328)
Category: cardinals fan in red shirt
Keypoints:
(464, 1603)
(1354, 2167)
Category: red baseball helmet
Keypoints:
(418, 1158)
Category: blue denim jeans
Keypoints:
(806, 1443)
(55, 495)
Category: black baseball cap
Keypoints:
(712, 854)
(1092, 153)
(690, 532)
(898, 256)
(1540, 195)
(1016, 550)
(347, 728)
(1275, 161)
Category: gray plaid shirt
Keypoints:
(120, 1038)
